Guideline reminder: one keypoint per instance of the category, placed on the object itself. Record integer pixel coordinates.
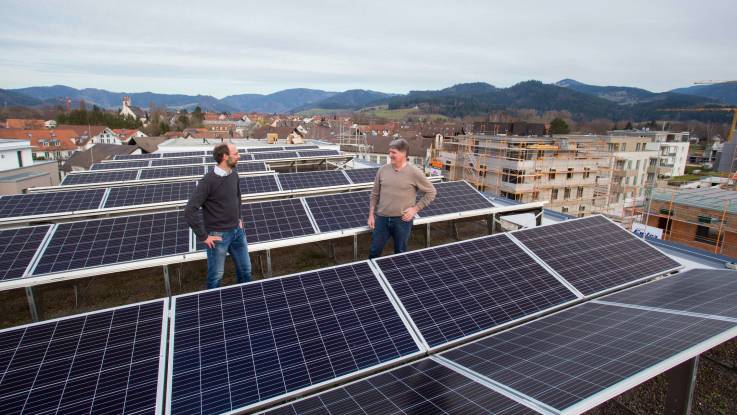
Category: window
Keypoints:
(707, 235)
(553, 194)
(551, 174)
(665, 224)
(20, 158)
(569, 175)
(567, 193)
(564, 209)
(582, 208)
(637, 148)
(586, 172)
(637, 165)
(579, 192)
(513, 176)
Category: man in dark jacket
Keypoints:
(218, 193)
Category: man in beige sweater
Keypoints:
(392, 205)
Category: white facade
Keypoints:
(672, 157)
(106, 136)
(15, 154)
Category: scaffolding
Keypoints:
(351, 140)
(531, 168)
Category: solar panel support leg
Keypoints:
(268, 263)
(490, 224)
(167, 281)
(681, 382)
(427, 235)
(32, 304)
(355, 247)
(333, 255)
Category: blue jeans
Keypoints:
(234, 243)
(386, 227)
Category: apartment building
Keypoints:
(572, 173)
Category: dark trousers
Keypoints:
(386, 227)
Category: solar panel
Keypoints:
(258, 184)
(463, 289)
(148, 194)
(134, 164)
(103, 177)
(575, 359)
(453, 197)
(183, 154)
(424, 387)
(91, 243)
(243, 345)
(276, 219)
(17, 249)
(137, 156)
(251, 166)
(165, 172)
(300, 147)
(362, 175)
(594, 254)
(101, 362)
(262, 149)
(275, 155)
(177, 161)
(318, 153)
(340, 211)
(246, 157)
(51, 202)
(313, 179)
(703, 291)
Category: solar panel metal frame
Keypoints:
(86, 185)
(615, 389)
(262, 404)
(119, 165)
(145, 156)
(162, 347)
(434, 359)
(600, 292)
(36, 253)
(490, 330)
(105, 208)
(347, 173)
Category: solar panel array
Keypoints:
(318, 153)
(235, 347)
(362, 175)
(49, 203)
(137, 156)
(568, 357)
(463, 289)
(258, 184)
(703, 291)
(172, 172)
(92, 243)
(152, 193)
(179, 161)
(103, 362)
(594, 254)
(17, 249)
(340, 211)
(134, 164)
(101, 177)
(275, 219)
(313, 179)
(272, 155)
(423, 387)
(453, 197)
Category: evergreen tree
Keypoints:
(559, 126)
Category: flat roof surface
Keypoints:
(712, 198)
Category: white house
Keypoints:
(15, 154)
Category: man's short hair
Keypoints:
(400, 144)
(219, 152)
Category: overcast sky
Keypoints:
(228, 48)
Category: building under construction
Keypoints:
(573, 174)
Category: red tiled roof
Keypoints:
(67, 138)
